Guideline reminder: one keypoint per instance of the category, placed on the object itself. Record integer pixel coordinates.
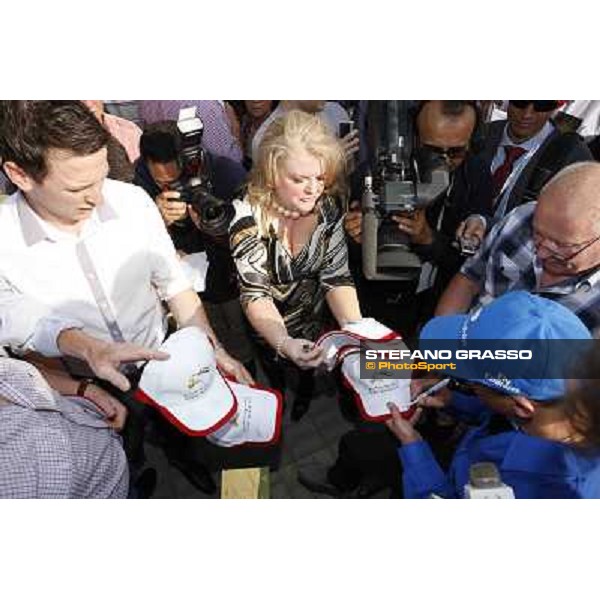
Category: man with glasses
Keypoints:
(551, 248)
(524, 151)
(445, 128)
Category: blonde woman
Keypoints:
(288, 243)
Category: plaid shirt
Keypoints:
(53, 447)
(507, 261)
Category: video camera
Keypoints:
(405, 178)
(194, 185)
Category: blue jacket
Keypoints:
(534, 467)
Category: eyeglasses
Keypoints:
(540, 240)
(538, 105)
(451, 153)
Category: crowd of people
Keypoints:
(101, 221)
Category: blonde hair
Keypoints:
(296, 131)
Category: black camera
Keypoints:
(405, 178)
(194, 184)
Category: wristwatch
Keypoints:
(82, 387)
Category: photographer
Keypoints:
(159, 171)
(445, 129)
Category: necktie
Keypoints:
(512, 153)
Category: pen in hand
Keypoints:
(431, 390)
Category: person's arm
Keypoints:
(343, 303)
(422, 476)
(114, 411)
(269, 324)
(458, 296)
(105, 358)
(336, 279)
(189, 312)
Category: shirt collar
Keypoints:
(532, 143)
(32, 226)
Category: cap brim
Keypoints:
(257, 421)
(196, 418)
(372, 403)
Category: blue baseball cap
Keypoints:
(512, 317)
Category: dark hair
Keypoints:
(582, 405)
(160, 142)
(30, 128)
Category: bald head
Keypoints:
(574, 194)
(567, 216)
(446, 124)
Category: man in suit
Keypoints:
(524, 151)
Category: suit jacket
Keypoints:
(575, 151)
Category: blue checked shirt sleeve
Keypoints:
(421, 473)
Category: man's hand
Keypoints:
(472, 229)
(170, 209)
(401, 428)
(350, 145)
(105, 358)
(439, 399)
(232, 367)
(415, 225)
(353, 222)
(113, 410)
(303, 353)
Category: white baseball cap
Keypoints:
(373, 395)
(188, 389)
(257, 421)
(353, 333)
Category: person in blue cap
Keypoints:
(543, 439)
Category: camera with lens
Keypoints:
(194, 184)
(405, 178)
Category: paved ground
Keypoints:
(313, 439)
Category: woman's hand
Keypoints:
(303, 353)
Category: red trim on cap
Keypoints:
(361, 408)
(167, 414)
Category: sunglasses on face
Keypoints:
(540, 240)
(451, 153)
(538, 105)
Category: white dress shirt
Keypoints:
(109, 280)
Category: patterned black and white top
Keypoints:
(297, 285)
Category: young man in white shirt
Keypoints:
(85, 262)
